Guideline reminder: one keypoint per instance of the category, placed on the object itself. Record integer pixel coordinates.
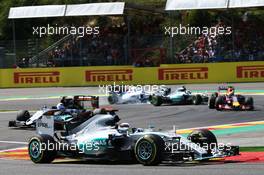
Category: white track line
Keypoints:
(8, 112)
(13, 142)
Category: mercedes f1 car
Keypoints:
(132, 95)
(179, 96)
(103, 138)
(73, 108)
(229, 100)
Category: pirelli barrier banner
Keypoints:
(165, 74)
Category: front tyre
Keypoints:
(219, 101)
(42, 149)
(112, 99)
(156, 100)
(148, 150)
(250, 102)
(211, 102)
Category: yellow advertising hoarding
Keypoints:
(165, 74)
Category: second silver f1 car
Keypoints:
(72, 108)
(131, 95)
(180, 96)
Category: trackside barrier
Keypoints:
(165, 74)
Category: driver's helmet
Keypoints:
(63, 100)
(230, 91)
(66, 101)
(182, 89)
(123, 128)
(60, 106)
(166, 91)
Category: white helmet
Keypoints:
(123, 128)
(60, 106)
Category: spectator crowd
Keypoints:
(245, 44)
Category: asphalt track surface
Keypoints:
(138, 115)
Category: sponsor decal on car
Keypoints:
(193, 73)
(250, 71)
(120, 75)
(36, 77)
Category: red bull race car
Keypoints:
(229, 100)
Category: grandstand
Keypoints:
(137, 38)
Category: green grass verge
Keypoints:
(6, 110)
(252, 149)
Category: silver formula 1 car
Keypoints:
(181, 96)
(102, 138)
(73, 108)
(131, 95)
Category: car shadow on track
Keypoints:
(192, 164)
(178, 164)
(27, 129)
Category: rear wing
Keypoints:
(222, 88)
(93, 99)
(83, 98)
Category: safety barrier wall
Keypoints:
(165, 74)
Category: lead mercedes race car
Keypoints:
(131, 95)
(180, 96)
(229, 100)
(103, 138)
(73, 108)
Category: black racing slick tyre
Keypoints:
(12, 124)
(197, 99)
(250, 102)
(211, 102)
(112, 99)
(156, 100)
(219, 101)
(204, 138)
(148, 150)
(42, 149)
(23, 115)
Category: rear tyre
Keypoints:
(156, 100)
(41, 149)
(148, 150)
(204, 138)
(23, 115)
(197, 99)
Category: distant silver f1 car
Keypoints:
(72, 108)
(132, 95)
(102, 138)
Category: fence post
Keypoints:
(14, 39)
